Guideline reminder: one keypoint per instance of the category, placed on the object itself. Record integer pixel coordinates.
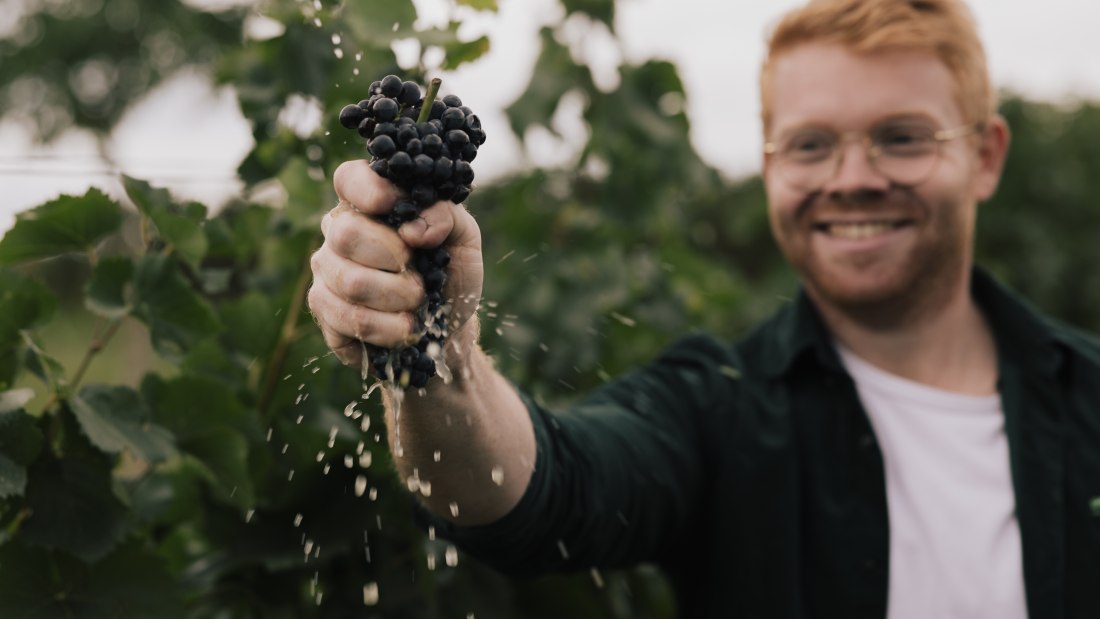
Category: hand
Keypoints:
(364, 289)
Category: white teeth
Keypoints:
(858, 230)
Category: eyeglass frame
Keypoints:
(872, 151)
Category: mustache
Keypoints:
(862, 200)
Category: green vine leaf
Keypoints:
(20, 441)
(210, 425)
(43, 365)
(554, 74)
(460, 53)
(176, 315)
(73, 508)
(109, 287)
(24, 303)
(252, 323)
(179, 226)
(480, 5)
(171, 493)
(13, 478)
(224, 452)
(13, 400)
(115, 419)
(67, 224)
(602, 10)
(130, 582)
(378, 22)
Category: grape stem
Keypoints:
(429, 99)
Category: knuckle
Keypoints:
(317, 301)
(340, 176)
(341, 239)
(364, 323)
(317, 261)
(357, 284)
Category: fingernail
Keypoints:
(414, 228)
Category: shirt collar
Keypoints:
(1023, 335)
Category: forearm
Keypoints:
(467, 447)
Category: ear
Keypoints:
(992, 149)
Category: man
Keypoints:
(906, 439)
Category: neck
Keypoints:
(943, 341)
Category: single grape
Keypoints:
(385, 110)
(434, 280)
(366, 127)
(457, 139)
(461, 193)
(425, 129)
(433, 145)
(382, 146)
(423, 166)
(381, 167)
(463, 172)
(406, 133)
(405, 210)
(443, 169)
(410, 93)
(386, 129)
(351, 115)
(452, 119)
(445, 190)
(391, 86)
(423, 194)
(469, 152)
(401, 164)
(438, 107)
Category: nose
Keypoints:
(854, 174)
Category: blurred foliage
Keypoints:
(242, 474)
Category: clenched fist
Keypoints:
(364, 289)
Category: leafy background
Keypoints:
(174, 439)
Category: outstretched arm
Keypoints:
(467, 445)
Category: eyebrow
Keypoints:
(890, 118)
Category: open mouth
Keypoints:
(861, 229)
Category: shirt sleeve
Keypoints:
(618, 477)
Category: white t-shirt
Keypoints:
(954, 540)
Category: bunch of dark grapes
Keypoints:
(423, 146)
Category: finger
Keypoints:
(347, 320)
(443, 223)
(465, 232)
(347, 350)
(363, 240)
(431, 228)
(363, 189)
(359, 285)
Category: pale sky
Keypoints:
(1045, 51)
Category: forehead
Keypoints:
(827, 84)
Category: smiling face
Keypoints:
(862, 242)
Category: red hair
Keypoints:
(944, 28)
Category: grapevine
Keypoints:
(424, 146)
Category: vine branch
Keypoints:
(286, 338)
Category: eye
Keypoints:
(904, 139)
(808, 145)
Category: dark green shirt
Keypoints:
(750, 473)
